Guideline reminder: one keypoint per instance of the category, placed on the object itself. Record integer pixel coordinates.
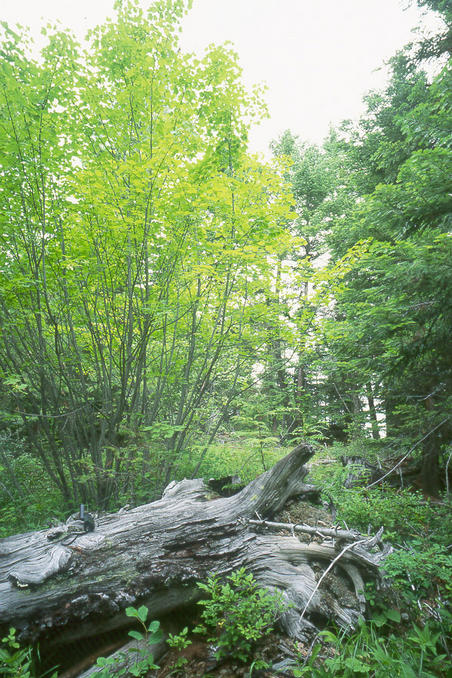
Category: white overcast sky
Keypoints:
(317, 57)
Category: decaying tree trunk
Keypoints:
(71, 586)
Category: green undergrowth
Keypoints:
(380, 648)
(419, 528)
(243, 456)
(237, 614)
(419, 570)
(416, 640)
(28, 498)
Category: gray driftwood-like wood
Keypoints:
(335, 532)
(65, 586)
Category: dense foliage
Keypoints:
(376, 200)
(137, 245)
(172, 306)
(160, 286)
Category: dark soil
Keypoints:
(200, 661)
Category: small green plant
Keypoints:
(237, 614)
(14, 660)
(147, 637)
(17, 661)
(257, 665)
(305, 663)
(179, 642)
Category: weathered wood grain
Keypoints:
(154, 555)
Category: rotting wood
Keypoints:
(336, 533)
(155, 554)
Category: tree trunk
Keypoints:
(429, 476)
(58, 587)
(372, 412)
(393, 420)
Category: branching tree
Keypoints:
(136, 235)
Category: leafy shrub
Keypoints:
(419, 529)
(145, 662)
(418, 564)
(399, 511)
(237, 614)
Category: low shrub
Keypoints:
(237, 614)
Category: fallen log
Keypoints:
(57, 586)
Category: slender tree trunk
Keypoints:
(372, 412)
(430, 472)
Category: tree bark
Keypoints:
(372, 412)
(429, 476)
(58, 587)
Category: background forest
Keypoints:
(172, 306)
